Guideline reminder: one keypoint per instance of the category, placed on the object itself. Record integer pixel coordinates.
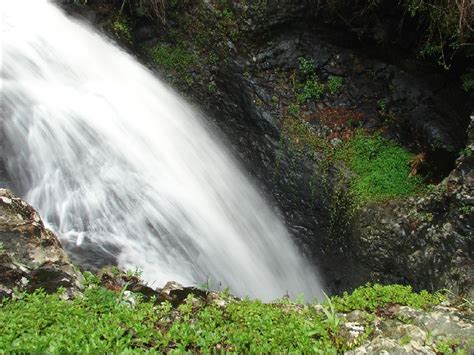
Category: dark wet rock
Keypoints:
(119, 281)
(31, 256)
(176, 293)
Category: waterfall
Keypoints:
(116, 161)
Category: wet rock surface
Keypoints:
(427, 241)
(31, 256)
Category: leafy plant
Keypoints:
(106, 321)
(371, 297)
(382, 105)
(137, 273)
(122, 30)
(306, 66)
(334, 84)
(312, 90)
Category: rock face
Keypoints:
(403, 330)
(31, 256)
(426, 241)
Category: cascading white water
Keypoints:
(107, 153)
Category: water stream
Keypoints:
(114, 159)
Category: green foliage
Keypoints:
(306, 66)
(106, 321)
(312, 90)
(246, 326)
(450, 346)
(382, 105)
(137, 273)
(468, 80)
(122, 30)
(175, 59)
(302, 136)
(334, 84)
(371, 297)
(294, 109)
(98, 322)
(406, 339)
(446, 25)
(91, 279)
(382, 168)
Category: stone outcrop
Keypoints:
(31, 256)
(425, 241)
(403, 330)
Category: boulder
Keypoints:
(31, 256)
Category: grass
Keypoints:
(107, 321)
(381, 168)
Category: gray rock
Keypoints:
(31, 256)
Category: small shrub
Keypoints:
(371, 297)
(312, 90)
(122, 30)
(306, 66)
(334, 84)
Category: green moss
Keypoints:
(175, 59)
(381, 168)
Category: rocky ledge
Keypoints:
(31, 256)
(426, 240)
